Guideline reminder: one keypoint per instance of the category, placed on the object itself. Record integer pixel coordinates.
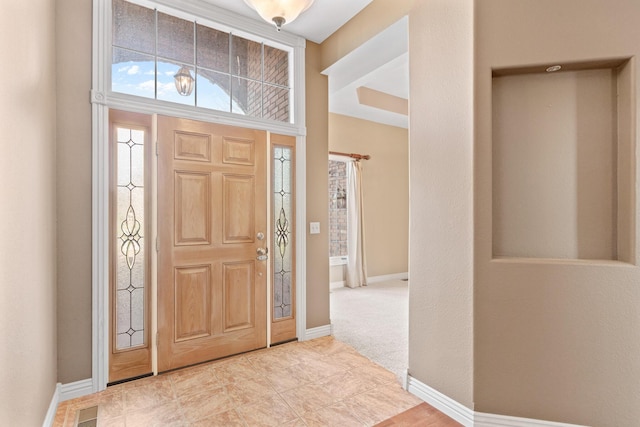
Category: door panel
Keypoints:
(239, 151)
(192, 208)
(193, 146)
(239, 288)
(212, 202)
(238, 202)
(193, 302)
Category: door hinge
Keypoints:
(157, 339)
(157, 245)
(157, 148)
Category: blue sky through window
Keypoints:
(138, 78)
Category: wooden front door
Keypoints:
(212, 196)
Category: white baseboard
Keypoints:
(320, 331)
(372, 279)
(466, 416)
(493, 420)
(441, 402)
(53, 407)
(338, 284)
(386, 277)
(76, 389)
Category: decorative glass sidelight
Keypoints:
(282, 215)
(130, 242)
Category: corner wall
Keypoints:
(555, 339)
(317, 106)
(73, 53)
(28, 214)
(441, 151)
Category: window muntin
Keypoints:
(231, 73)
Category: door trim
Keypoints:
(102, 100)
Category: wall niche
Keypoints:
(563, 161)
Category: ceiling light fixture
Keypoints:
(554, 68)
(279, 12)
(184, 81)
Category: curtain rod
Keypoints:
(352, 155)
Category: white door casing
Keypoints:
(102, 99)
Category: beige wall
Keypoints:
(441, 182)
(73, 39)
(317, 107)
(554, 165)
(441, 194)
(554, 340)
(28, 214)
(385, 182)
(337, 273)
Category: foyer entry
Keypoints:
(220, 289)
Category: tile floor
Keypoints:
(322, 382)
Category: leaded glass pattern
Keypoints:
(231, 73)
(282, 216)
(130, 243)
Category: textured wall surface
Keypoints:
(28, 212)
(441, 194)
(555, 340)
(554, 166)
(317, 96)
(73, 160)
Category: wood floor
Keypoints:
(423, 415)
(322, 382)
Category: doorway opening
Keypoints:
(368, 113)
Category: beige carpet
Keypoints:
(374, 320)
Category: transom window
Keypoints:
(159, 56)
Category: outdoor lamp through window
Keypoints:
(184, 81)
(279, 12)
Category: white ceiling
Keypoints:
(380, 64)
(317, 23)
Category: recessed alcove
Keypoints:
(563, 161)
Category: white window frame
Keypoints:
(102, 99)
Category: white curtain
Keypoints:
(357, 265)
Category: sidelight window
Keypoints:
(130, 238)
